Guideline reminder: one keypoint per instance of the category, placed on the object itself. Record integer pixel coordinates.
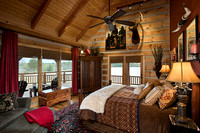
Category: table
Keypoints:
(189, 127)
(52, 96)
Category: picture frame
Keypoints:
(191, 36)
(181, 51)
(116, 39)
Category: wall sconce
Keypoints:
(165, 70)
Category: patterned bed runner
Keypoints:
(121, 111)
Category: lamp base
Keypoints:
(181, 109)
(182, 119)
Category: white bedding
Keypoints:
(96, 101)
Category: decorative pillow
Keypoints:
(7, 102)
(145, 91)
(126, 93)
(153, 96)
(168, 98)
(147, 84)
(138, 89)
(165, 82)
(157, 83)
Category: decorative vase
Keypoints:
(157, 68)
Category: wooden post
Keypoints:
(59, 72)
(40, 73)
(44, 78)
(124, 75)
(22, 77)
(64, 77)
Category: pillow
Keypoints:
(157, 83)
(126, 93)
(147, 84)
(168, 98)
(165, 82)
(7, 102)
(138, 89)
(145, 91)
(153, 96)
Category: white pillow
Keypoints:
(153, 96)
(138, 89)
(147, 84)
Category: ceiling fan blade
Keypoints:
(118, 14)
(129, 23)
(95, 17)
(96, 24)
(111, 27)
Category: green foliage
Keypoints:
(120, 64)
(32, 66)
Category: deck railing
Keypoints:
(134, 80)
(47, 77)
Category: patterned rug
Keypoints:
(67, 121)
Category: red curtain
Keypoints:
(9, 63)
(75, 70)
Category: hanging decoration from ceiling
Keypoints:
(110, 19)
(183, 18)
(116, 40)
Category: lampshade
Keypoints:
(165, 69)
(186, 76)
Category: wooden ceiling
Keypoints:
(63, 21)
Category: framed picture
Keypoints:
(116, 39)
(191, 36)
(181, 47)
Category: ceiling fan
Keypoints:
(110, 19)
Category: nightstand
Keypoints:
(178, 127)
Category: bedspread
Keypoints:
(128, 114)
(120, 113)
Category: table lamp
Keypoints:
(182, 73)
(165, 70)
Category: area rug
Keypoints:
(67, 121)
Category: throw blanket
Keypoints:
(121, 111)
(43, 116)
(96, 101)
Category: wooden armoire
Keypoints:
(90, 73)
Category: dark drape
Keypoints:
(9, 63)
(75, 70)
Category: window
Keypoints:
(66, 67)
(126, 70)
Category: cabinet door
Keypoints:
(96, 74)
(85, 75)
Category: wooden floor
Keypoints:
(74, 99)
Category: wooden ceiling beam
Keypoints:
(92, 21)
(39, 13)
(72, 16)
(124, 2)
(36, 34)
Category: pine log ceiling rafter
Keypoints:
(91, 22)
(124, 3)
(72, 16)
(39, 13)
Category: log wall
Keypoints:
(156, 25)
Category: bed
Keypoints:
(123, 112)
